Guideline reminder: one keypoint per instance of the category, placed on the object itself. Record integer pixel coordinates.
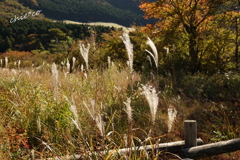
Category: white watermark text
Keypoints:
(25, 16)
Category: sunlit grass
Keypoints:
(34, 123)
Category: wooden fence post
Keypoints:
(190, 133)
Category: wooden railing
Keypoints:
(193, 151)
(191, 147)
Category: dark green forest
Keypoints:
(27, 35)
(124, 12)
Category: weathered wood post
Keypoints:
(190, 133)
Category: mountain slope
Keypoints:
(10, 8)
(124, 12)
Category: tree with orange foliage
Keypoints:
(191, 17)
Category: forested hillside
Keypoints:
(10, 8)
(30, 34)
(124, 12)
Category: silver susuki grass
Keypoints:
(75, 119)
(152, 99)
(74, 61)
(82, 69)
(49, 148)
(55, 81)
(6, 62)
(154, 49)
(73, 109)
(109, 62)
(149, 59)
(129, 110)
(167, 49)
(68, 66)
(84, 52)
(39, 126)
(96, 116)
(100, 123)
(129, 47)
(19, 63)
(172, 113)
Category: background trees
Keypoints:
(194, 19)
(123, 12)
(34, 34)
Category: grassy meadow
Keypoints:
(51, 105)
(49, 112)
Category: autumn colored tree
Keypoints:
(192, 17)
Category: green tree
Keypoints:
(40, 46)
(8, 43)
(21, 38)
(57, 34)
(114, 47)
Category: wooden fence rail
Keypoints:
(191, 147)
(211, 149)
(193, 151)
(173, 147)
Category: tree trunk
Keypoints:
(194, 64)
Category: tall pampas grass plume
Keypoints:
(6, 62)
(172, 113)
(154, 49)
(68, 66)
(152, 98)
(129, 109)
(74, 61)
(75, 119)
(39, 127)
(19, 63)
(55, 80)
(109, 62)
(129, 47)
(96, 116)
(84, 52)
